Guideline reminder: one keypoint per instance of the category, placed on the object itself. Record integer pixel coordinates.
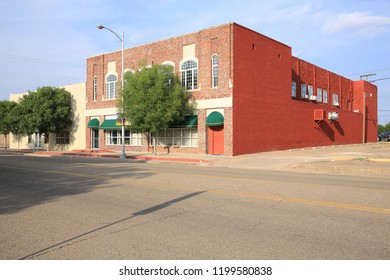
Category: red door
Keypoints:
(215, 140)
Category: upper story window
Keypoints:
(310, 90)
(303, 91)
(169, 63)
(189, 74)
(319, 94)
(111, 91)
(335, 99)
(294, 89)
(94, 88)
(214, 74)
(325, 96)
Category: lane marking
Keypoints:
(306, 201)
(219, 192)
(91, 176)
(270, 197)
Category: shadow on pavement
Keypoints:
(134, 215)
(30, 181)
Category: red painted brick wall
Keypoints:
(261, 94)
(265, 115)
(368, 91)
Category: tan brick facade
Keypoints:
(199, 46)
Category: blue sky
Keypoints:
(45, 42)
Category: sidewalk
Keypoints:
(371, 159)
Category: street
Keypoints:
(99, 208)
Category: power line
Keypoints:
(373, 81)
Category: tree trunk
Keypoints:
(154, 146)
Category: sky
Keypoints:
(46, 43)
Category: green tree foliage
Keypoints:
(48, 110)
(383, 128)
(154, 98)
(6, 117)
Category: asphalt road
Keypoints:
(94, 208)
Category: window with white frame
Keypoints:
(303, 91)
(325, 96)
(319, 94)
(310, 90)
(294, 89)
(189, 74)
(111, 92)
(62, 137)
(335, 99)
(114, 137)
(94, 88)
(180, 137)
(214, 74)
(169, 63)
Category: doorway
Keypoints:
(95, 138)
(215, 140)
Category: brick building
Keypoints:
(252, 96)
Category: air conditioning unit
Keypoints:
(313, 98)
(336, 104)
(333, 116)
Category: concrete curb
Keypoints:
(115, 155)
(343, 159)
(379, 159)
(339, 169)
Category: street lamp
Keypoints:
(122, 39)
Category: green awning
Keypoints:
(94, 123)
(109, 125)
(215, 119)
(188, 122)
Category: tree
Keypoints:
(154, 98)
(383, 128)
(6, 118)
(48, 110)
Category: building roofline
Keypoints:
(254, 31)
(166, 39)
(199, 31)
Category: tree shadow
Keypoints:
(29, 181)
(133, 215)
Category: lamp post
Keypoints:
(122, 39)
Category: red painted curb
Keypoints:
(145, 158)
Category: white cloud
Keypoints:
(357, 23)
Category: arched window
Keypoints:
(214, 72)
(189, 74)
(111, 86)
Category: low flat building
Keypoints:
(72, 139)
(4, 142)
